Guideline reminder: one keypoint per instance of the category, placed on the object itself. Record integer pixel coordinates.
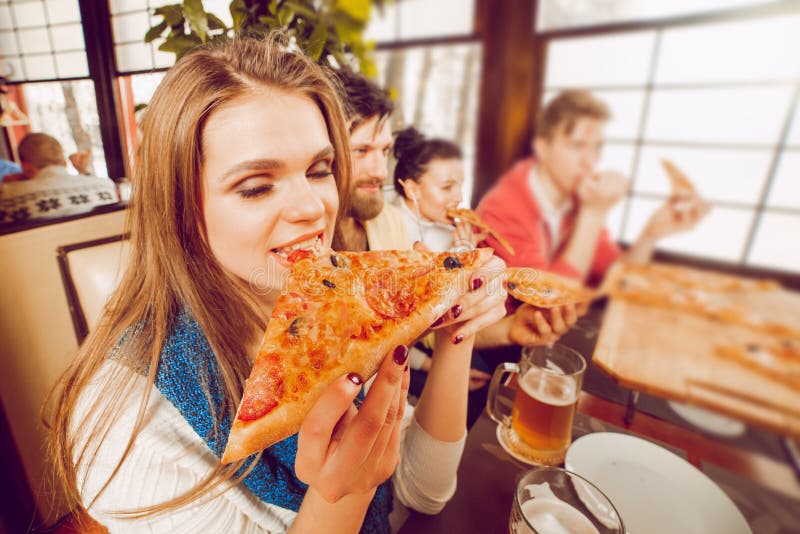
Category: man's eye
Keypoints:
(256, 191)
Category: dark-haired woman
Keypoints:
(429, 177)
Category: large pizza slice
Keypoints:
(471, 217)
(544, 289)
(342, 312)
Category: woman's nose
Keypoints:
(303, 203)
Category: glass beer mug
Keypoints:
(551, 500)
(548, 383)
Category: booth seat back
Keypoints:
(91, 271)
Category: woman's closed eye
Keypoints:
(254, 188)
(320, 170)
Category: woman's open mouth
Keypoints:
(306, 247)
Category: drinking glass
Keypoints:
(551, 500)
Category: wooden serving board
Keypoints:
(671, 354)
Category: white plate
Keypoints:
(711, 422)
(654, 490)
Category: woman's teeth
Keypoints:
(313, 245)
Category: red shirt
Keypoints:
(511, 208)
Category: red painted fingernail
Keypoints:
(458, 339)
(437, 322)
(355, 379)
(400, 354)
(456, 310)
(477, 283)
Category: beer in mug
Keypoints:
(548, 383)
(544, 406)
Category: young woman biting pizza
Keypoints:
(240, 173)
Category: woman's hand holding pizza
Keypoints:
(480, 307)
(347, 451)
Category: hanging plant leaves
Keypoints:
(155, 32)
(197, 18)
(329, 31)
(179, 44)
(173, 14)
(358, 9)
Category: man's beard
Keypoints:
(365, 207)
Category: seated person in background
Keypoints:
(553, 207)
(47, 189)
(428, 177)
(372, 224)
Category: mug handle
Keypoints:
(491, 401)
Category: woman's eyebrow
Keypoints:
(324, 153)
(259, 164)
(267, 164)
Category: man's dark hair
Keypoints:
(362, 98)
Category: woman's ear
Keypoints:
(411, 189)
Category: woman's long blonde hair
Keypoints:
(171, 265)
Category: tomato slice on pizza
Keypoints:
(342, 312)
(543, 289)
(471, 217)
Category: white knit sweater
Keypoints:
(168, 458)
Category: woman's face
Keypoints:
(269, 194)
(439, 189)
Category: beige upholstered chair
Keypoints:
(91, 271)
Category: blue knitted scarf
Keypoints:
(186, 369)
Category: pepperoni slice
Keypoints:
(263, 389)
(390, 295)
(297, 255)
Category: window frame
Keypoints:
(544, 39)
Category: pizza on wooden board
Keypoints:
(545, 290)
(780, 359)
(471, 217)
(341, 312)
(691, 278)
(696, 292)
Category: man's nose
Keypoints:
(378, 166)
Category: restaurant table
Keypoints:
(764, 489)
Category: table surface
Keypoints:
(750, 467)
(486, 476)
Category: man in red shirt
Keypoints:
(553, 208)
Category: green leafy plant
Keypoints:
(327, 30)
